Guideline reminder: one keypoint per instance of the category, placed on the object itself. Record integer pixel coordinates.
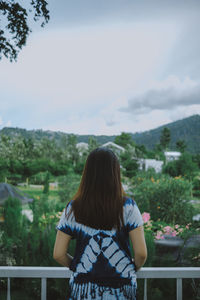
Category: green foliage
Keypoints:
(124, 139)
(3, 169)
(92, 144)
(30, 141)
(129, 164)
(166, 199)
(151, 249)
(12, 216)
(46, 184)
(196, 185)
(184, 166)
(186, 129)
(181, 145)
(165, 138)
(14, 232)
(196, 159)
(34, 166)
(59, 167)
(68, 186)
(16, 29)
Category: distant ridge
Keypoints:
(187, 129)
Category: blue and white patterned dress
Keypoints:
(102, 265)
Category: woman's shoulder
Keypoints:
(69, 204)
(129, 201)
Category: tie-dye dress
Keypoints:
(102, 265)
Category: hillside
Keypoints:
(187, 129)
(56, 135)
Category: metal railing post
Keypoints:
(44, 289)
(8, 289)
(145, 289)
(178, 289)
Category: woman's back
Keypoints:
(101, 219)
(102, 257)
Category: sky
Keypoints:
(105, 67)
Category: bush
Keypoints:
(166, 198)
(14, 233)
(68, 186)
(196, 186)
(184, 166)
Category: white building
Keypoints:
(82, 147)
(114, 147)
(145, 164)
(172, 155)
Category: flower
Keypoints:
(159, 235)
(167, 229)
(145, 217)
(173, 233)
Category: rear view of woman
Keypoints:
(101, 219)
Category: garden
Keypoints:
(168, 202)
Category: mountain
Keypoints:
(57, 136)
(187, 129)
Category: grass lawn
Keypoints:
(35, 192)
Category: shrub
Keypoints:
(166, 199)
(184, 166)
(14, 232)
(68, 186)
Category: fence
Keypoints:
(60, 272)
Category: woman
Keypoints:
(102, 220)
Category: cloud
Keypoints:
(110, 123)
(5, 124)
(8, 124)
(166, 95)
(75, 69)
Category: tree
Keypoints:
(165, 138)
(92, 144)
(72, 150)
(15, 18)
(128, 162)
(46, 184)
(181, 145)
(124, 139)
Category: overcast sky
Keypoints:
(106, 66)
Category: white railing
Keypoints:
(60, 272)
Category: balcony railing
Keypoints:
(60, 272)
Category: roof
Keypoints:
(113, 145)
(172, 153)
(7, 190)
(82, 145)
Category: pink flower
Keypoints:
(167, 229)
(174, 233)
(145, 217)
(187, 227)
(177, 226)
(159, 235)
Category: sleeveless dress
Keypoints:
(102, 265)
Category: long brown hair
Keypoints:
(99, 200)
